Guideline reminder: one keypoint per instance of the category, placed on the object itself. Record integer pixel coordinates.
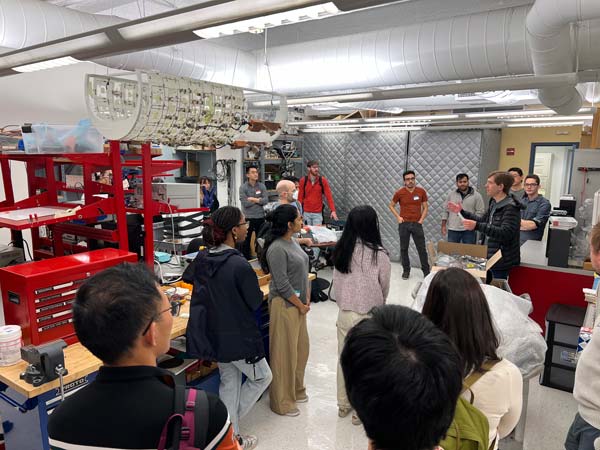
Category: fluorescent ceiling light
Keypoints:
(557, 118)
(259, 24)
(413, 118)
(398, 120)
(544, 124)
(50, 64)
(208, 16)
(363, 130)
(330, 130)
(523, 113)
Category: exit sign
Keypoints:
(510, 151)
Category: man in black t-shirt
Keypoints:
(122, 317)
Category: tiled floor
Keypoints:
(318, 427)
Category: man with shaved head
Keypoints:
(286, 190)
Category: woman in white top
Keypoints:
(361, 281)
(457, 305)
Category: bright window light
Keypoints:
(50, 64)
(259, 24)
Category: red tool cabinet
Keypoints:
(38, 295)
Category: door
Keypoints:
(552, 164)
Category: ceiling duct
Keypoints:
(552, 50)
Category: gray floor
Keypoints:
(318, 427)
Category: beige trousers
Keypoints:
(345, 321)
(289, 346)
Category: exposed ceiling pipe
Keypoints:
(24, 23)
(485, 45)
(514, 83)
(549, 39)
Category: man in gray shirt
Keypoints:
(517, 189)
(537, 210)
(471, 201)
(253, 197)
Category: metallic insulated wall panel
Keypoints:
(490, 158)
(366, 168)
(436, 157)
(363, 168)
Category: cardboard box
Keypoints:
(451, 248)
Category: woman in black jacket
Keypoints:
(222, 325)
(500, 225)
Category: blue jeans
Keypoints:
(581, 435)
(313, 218)
(464, 237)
(240, 398)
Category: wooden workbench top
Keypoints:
(80, 362)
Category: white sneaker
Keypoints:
(247, 441)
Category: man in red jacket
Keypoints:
(311, 190)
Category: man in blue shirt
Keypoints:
(537, 210)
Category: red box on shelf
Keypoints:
(38, 295)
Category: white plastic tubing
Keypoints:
(28, 22)
(552, 51)
(485, 45)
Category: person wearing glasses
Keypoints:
(413, 210)
(537, 210)
(289, 302)
(122, 317)
(222, 325)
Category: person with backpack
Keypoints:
(457, 305)
(222, 325)
(403, 377)
(289, 302)
(312, 188)
(361, 281)
(123, 318)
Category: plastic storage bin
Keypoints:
(10, 345)
(44, 138)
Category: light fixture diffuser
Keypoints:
(50, 64)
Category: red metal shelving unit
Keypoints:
(93, 207)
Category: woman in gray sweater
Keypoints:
(289, 301)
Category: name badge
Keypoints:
(258, 192)
(416, 197)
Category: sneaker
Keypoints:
(247, 441)
(356, 420)
(302, 400)
(405, 275)
(293, 413)
(343, 412)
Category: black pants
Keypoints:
(253, 227)
(406, 229)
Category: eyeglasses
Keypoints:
(531, 184)
(410, 179)
(174, 308)
(241, 224)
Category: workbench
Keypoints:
(547, 284)
(28, 407)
